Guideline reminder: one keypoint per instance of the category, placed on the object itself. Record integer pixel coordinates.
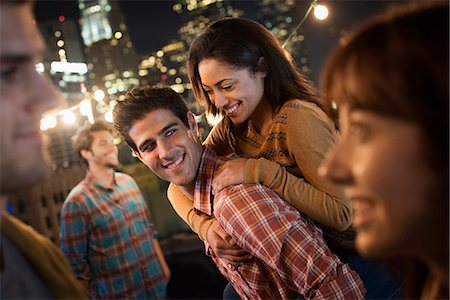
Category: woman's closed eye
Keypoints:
(227, 87)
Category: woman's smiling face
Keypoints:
(236, 92)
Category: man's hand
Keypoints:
(222, 244)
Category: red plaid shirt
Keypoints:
(291, 256)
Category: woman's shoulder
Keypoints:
(297, 108)
(300, 105)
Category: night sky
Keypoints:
(151, 24)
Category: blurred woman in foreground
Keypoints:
(390, 81)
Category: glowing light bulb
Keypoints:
(69, 117)
(321, 12)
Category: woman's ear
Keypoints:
(262, 66)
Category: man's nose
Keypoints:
(44, 95)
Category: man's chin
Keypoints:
(20, 178)
(112, 165)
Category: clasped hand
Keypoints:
(223, 245)
(232, 172)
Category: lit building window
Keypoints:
(95, 27)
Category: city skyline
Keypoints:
(153, 23)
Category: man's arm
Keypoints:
(74, 235)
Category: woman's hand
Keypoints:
(223, 245)
(232, 172)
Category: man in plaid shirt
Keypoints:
(290, 255)
(105, 230)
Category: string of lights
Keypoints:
(320, 12)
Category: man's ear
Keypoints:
(86, 154)
(192, 123)
(138, 155)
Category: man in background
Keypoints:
(31, 266)
(106, 233)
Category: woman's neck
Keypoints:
(262, 118)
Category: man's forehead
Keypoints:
(18, 33)
(153, 123)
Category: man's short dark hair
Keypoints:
(143, 100)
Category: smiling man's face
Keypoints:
(167, 147)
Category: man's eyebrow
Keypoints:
(141, 147)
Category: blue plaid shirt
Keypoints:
(108, 239)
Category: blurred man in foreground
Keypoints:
(31, 266)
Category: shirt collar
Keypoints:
(203, 197)
(90, 179)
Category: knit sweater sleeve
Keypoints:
(184, 207)
(309, 135)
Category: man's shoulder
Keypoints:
(78, 194)
(250, 190)
(125, 179)
(122, 176)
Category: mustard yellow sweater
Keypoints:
(45, 258)
(286, 160)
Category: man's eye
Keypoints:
(9, 73)
(148, 147)
(170, 132)
(227, 87)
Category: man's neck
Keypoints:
(188, 190)
(105, 175)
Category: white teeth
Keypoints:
(232, 109)
(175, 163)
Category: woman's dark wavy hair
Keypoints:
(241, 43)
(397, 65)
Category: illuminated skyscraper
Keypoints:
(65, 64)
(64, 60)
(112, 59)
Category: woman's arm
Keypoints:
(310, 134)
(185, 209)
